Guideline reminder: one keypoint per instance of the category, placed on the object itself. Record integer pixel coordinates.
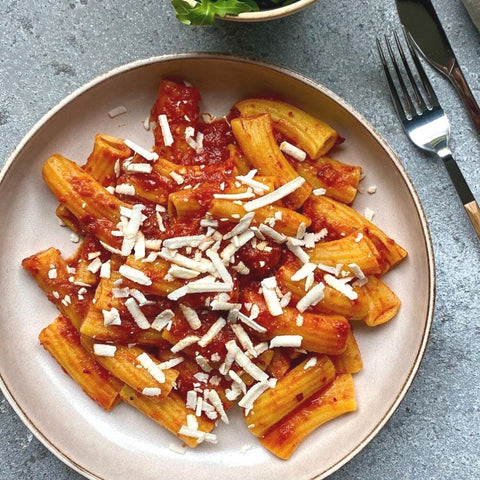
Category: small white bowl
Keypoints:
(271, 14)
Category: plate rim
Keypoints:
(427, 239)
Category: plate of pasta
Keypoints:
(226, 272)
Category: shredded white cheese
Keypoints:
(253, 393)
(105, 270)
(217, 403)
(198, 434)
(237, 379)
(276, 195)
(258, 187)
(52, 273)
(270, 295)
(303, 272)
(234, 196)
(191, 316)
(186, 241)
(153, 369)
(208, 287)
(95, 265)
(103, 350)
(143, 152)
(243, 338)
(286, 341)
(301, 254)
(137, 314)
(311, 362)
(165, 128)
(250, 322)
(314, 295)
(293, 151)
(244, 362)
(125, 189)
(138, 168)
(219, 266)
(182, 272)
(134, 275)
(241, 227)
(162, 320)
(151, 391)
(341, 286)
(357, 271)
(212, 332)
(111, 317)
(184, 343)
(318, 192)
(115, 112)
(272, 234)
(172, 363)
(369, 214)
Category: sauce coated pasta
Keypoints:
(224, 266)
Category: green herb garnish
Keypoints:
(203, 12)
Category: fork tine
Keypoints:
(393, 90)
(432, 97)
(413, 83)
(410, 110)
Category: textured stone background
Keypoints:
(48, 48)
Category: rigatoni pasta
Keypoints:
(224, 266)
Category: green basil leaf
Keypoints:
(204, 12)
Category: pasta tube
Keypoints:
(69, 219)
(329, 403)
(127, 367)
(311, 134)
(49, 270)
(156, 272)
(79, 191)
(320, 333)
(92, 204)
(332, 302)
(286, 220)
(151, 187)
(183, 204)
(62, 341)
(383, 303)
(350, 361)
(169, 412)
(127, 333)
(348, 250)
(340, 219)
(255, 136)
(339, 180)
(280, 364)
(107, 151)
(291, 390)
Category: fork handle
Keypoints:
(473, 213)
(464, 192)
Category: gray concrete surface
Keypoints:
(50, 47)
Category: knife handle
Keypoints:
(458, 80)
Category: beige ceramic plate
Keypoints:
(272, 14)
(122, 444)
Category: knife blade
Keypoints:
(423, 26)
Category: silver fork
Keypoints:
(424, 120)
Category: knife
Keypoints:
(422, 24)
